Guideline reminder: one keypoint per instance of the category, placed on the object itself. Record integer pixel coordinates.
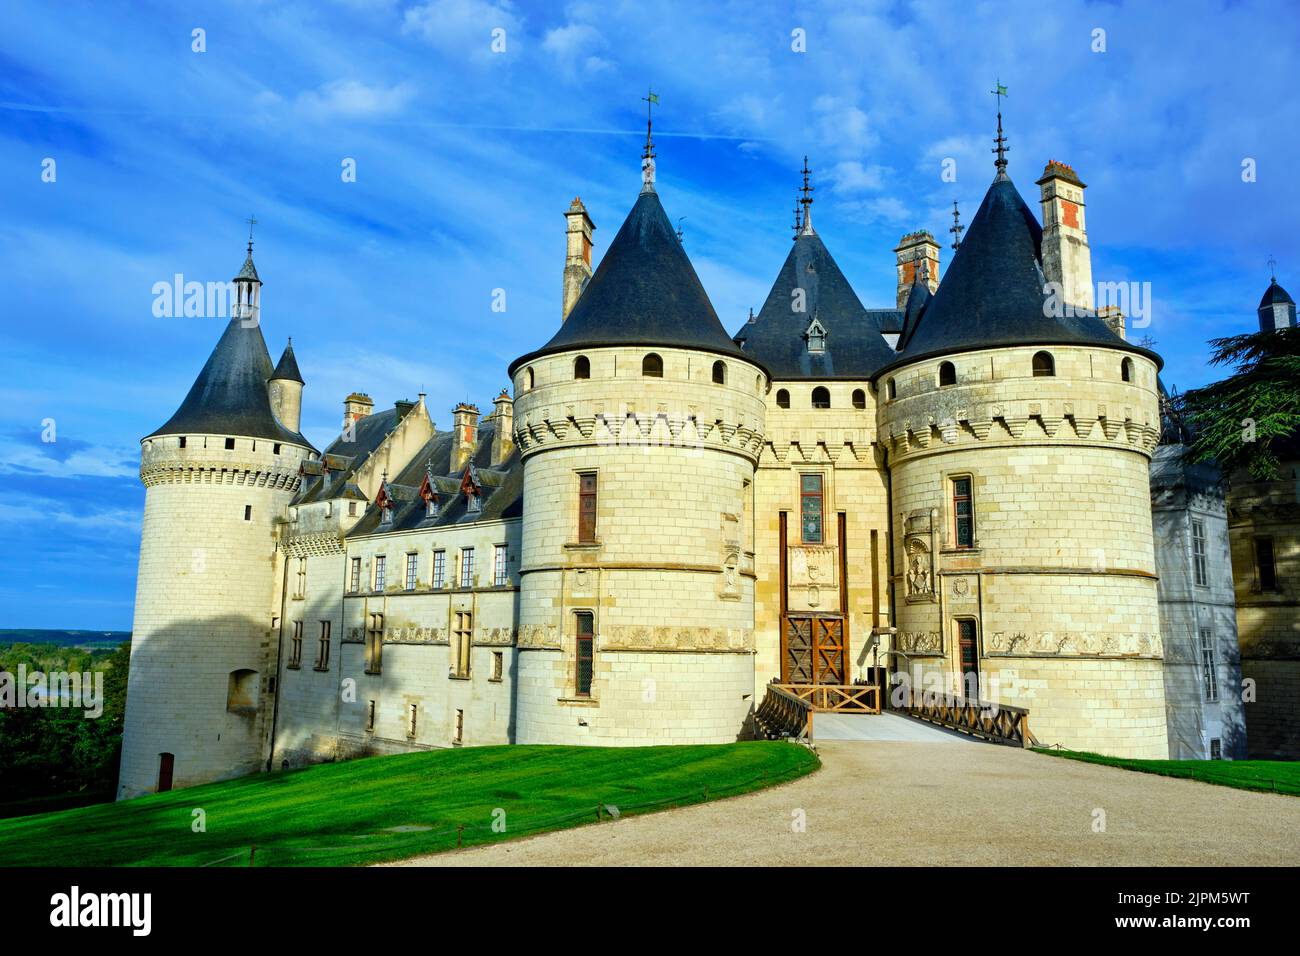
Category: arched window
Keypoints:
(1043, 364)
(782, 398)
(719, 373)
(582, 367)
(652, 366)
(1126, 370)
(859, 398)
(528, 379)
(947, 374)
(893, 389)
(821, 397)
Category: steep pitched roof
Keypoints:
(287, 368)
(992, 294)
(229, 397)
(644, 292)
(1275, 294)
(918, 300)
(345, 458)
(854, 347)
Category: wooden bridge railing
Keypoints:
(999, 723)
(837, 698)
(783, 714)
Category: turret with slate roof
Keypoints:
(1276, 308)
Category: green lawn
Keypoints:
(346, 813)
(1273, 776)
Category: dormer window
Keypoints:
(385, 516)
(473, 503)
(816, 337)
(431, 506)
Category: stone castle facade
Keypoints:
(657, 518)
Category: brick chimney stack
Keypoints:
(464, 437)
(503, 436)
(356, 407)
(913, 249)
(577, 260)
(1066, 258)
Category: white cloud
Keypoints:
(352, 98)
(84, 461)
(463, 26)
(851, 176)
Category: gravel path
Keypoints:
(902, 803)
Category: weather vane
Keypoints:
(957, 228)
(806, 200)
(1001, 146)
(651, 100)
(1272, 267)
(251, 223)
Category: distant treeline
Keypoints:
(34, 635)
(49, 752)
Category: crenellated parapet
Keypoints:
(687, 426)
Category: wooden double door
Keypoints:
(814, 649)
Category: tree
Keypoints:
(1251, 419)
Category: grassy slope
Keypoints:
(338, 814)
(1274, 776)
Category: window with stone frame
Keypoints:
(300, 578)
(381, 572)
(1209, 665)
(439, 574)
(587, 507)
(1265, 566)
(500, 565)
(375, 644)
(585, 652)
(811, 509)
(467, 567)
(963, 512)
(498, 666)
(372, 709)
(412, 570)
(323, 647)
(412, 715)
(355, 584)
(295, 645)
(1200, 570)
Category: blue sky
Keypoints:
(467, 158)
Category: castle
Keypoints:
(658, 518)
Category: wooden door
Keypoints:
(813, 650)
(969, 652)
(166, 762)
(829, 651)
(796, 650)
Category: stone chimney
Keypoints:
(356, 407)
(1113, 317)
(464, 436)
(577, 260)
(914, 249)
(503, 438)
(1066, 259)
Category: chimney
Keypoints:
(577, 260)
(464, 436)
(503, 440)
(1113, 317)
(1066, 259)
(914, 249)
(356, 407)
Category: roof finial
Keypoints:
(806, 201)
(957, 228)
(1001, 147)
(251, 223)
(648, 154)
(679, 228)
(1272, 268)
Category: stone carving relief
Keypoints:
(918, 552)
(920, 642)
(812, 566)
(647, 638)
(539, 635)
(1074, 644)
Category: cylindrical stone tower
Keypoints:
(217, 476)
(1019, 435)
(639, 424)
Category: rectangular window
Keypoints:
(963, 513)
(381, 571)
(301, 580)
(412, 565)
(587, 508)
(467, 567)
(810, 508)
(498, 665)
(439, 568)
(1264, 564)
(355, 584)
(375, 644)
(1199, 568)
(586, 651)
(370, 715)
(248, 512)
(352, 509)
(295, 645)
(499, 556)
(460, 727)
(464, 633)
(412, 711)
(230, 444)
(1216, 749)
(1209, 668)
(323, 647)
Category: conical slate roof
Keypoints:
(777, 337)
(248, 271)
(287, 368)
(918, 300)
(644, 292)
(229, 397)
(992, 295)
(1275, 294)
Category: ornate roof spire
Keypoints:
(798, 223)
(956, 228)
(648, 154)
(1000, 143)
(806, 201)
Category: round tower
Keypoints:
(217, 478)
(639, 424)
(1019, 432)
